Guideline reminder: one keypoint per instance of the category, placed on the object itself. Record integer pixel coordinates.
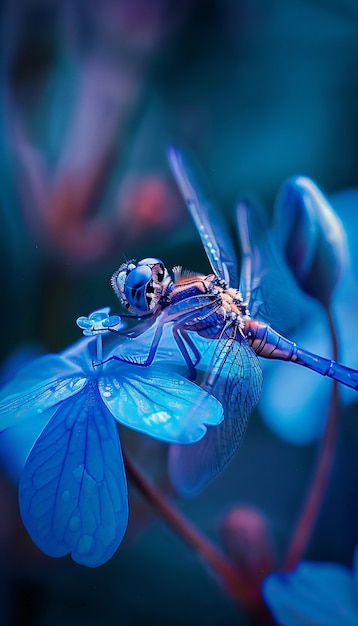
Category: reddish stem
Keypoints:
(233, 582)
(320, 477)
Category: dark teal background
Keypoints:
(259, 91)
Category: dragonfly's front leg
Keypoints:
(266, 342)
(151, 354)
(179, 335)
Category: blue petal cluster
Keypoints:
(99, 322)
(73, 492)
(323, 594)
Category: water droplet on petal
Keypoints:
(75, 523)
(77, 473)
(66, 496)
(97, 316)
(85, 544)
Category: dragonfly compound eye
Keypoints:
(140, 286)
(157, 267)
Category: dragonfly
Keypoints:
(212, 327)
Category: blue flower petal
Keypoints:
(73, 493)
(111, 321)
(41, 370)
(38, 386)
(99, 322)
(312, 237)
(355, 571)
(81, 356)
(17, 441)
(159, 402)
(321, 594)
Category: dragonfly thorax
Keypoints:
(232, 307)
(205, 303)
(141, 286)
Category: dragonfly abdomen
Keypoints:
(326, 367)
(266, 342)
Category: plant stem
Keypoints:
(233, 582)
(99, 348)
(321, 473)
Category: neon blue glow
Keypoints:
(73, 491)
(314, 593)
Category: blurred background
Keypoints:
(92, 94)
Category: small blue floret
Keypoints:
(98, 323)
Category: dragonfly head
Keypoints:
(140, 285)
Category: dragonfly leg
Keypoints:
(179, 336)
(185, 335)
(151, 354)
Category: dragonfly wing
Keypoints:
(215, 238)
(266, 282)
(73, 491)
(159, 402)
(234, 377)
